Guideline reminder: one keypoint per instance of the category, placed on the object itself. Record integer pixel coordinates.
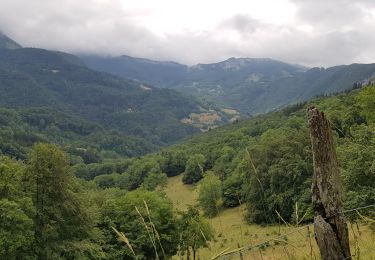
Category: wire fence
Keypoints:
(303, 246)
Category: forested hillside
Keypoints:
(251, 86)
(52, 97)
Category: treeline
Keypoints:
(85, 141)
(47, 213)
(266, 162)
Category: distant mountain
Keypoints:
(251, 86)
(156, 73)
(57, 92)
(7, 43)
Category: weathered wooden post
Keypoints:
(331, 231)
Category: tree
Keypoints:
(138, 171)
(210, 194)
(357, 161)
(278, 175)
(194, 169)
(61, 222)
(155, 179)
(148, 221)
(366, 101)
(232, 190)
(223, 164)
(16, 213)
(195, 231)
(172, 162)
(16, 231)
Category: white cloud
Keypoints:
(309, 32)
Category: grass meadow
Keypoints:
(267, 242)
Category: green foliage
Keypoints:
(16, 212)
(55, 98)
(283, 171)
(210, 194)
(90, 171)
(196, 232)
(155, 179)
(155, 214)
(138, 171)
(358, 167)
(61, 223)
(128, 174)
(107, 180)
(223, 165)
(16, 230)
(20, 128)
(172, 162)
(194, 169)
(366, 100)
(232, 190)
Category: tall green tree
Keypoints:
(16, 213)
(148, 221)
(62, 224)
(366, 101)
(279, 175)
(357, 162)
(195, 231)
(172, 162)
(223, 164)
(210, 194)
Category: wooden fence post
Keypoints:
(331, 231)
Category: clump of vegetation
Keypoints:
(196, 232)
(210, 194)
(194, 169)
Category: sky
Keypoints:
(307, 32)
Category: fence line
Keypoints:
(247, 248)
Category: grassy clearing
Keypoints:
(180, 194)
(232, 232)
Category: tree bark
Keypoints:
(331, 231)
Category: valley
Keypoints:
(128, 158)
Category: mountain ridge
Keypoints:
(250, 85)
(8, 43)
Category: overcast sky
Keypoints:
(307, 32)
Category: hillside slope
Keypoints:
(37, 78)
(45, 89)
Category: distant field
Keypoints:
(232, 232)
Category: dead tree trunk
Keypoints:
(331, 231)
